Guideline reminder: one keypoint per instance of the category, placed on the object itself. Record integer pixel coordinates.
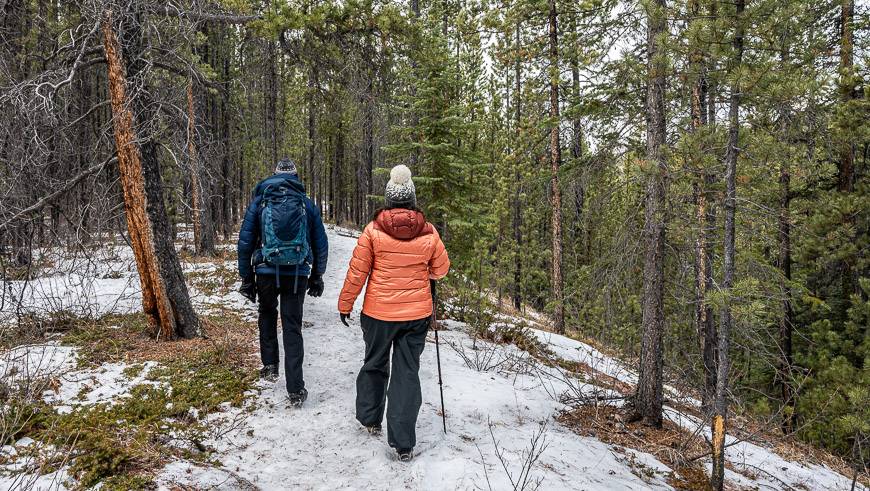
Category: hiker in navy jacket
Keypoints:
(287, 283)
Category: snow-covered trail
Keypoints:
(322, 446)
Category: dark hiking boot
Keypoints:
(405, 455)
(297, 398)
(269, 373)
(374, 430)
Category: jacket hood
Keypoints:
(277, 179)
(403, 224)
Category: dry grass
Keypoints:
(123, 338)
(226, 330)
(670, 444)
(597, 378)
(34, 328)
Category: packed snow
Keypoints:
(493, 416)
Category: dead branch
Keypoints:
(60, 192)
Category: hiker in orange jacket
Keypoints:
(398, 253)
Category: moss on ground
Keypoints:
(133, 371)
(109, 338)
(121, 445)
(214, 282)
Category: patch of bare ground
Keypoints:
(599, 379)
(520, 336)
(124, 338)
(227, 330)
(671, 444)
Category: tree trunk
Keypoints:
(227, 190)
(720, 403)
(271, 128)
(710, 330)
(84, 139)
(577, 150)
(711, 80)
(846, 168)
(516, 205)
(707, 322)
(226, 154)
(338, 210)
(704, 325)
(14, 22)
(165, 299)
(312, 129)
(201, 209)
(555, 163)
(414, 117)
(785, 321)
(369, 149)
(648, 399)
(195, 189)
(846, 171)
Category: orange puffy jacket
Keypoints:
(399, 252)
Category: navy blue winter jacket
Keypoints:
(250, 241)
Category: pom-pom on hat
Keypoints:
(400, 191)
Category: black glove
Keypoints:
(249, 288)
(344, 319)
(315, 285)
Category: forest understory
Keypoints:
(90, 398)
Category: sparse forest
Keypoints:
(684, 184)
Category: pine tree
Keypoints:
(648, 398)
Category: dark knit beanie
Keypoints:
(286, 165)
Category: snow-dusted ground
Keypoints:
(321, 446)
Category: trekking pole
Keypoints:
(438, 354)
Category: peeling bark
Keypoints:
(155, 301)
(165, 299)
(846, 171)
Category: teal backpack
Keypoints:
(284, 226)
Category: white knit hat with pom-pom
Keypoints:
(400, 191)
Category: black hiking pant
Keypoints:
(270, 295)
(407, 340)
